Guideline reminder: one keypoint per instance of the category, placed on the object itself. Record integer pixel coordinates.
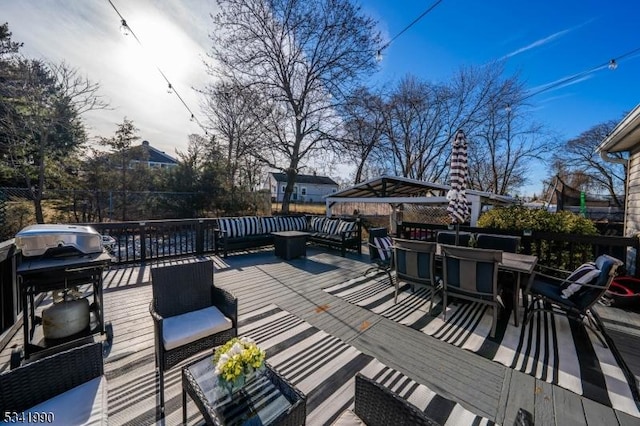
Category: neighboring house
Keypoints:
(625, 137)
(307, 188)
(152, 157)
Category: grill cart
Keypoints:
(67, 262)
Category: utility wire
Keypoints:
(415, 21)
(166, 79)
(613, 63)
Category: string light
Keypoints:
(612, 64)
(126, 30)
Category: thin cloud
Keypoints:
(538, 43)
(545, 40)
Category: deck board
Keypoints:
(259, 279)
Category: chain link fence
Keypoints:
(79, 206)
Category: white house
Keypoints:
(625, 137)
(306, 189)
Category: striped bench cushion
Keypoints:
(269, 224)
(331, 226)
(346, 226)
(317, 223)
(293, 223)
(240, 226)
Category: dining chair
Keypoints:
(471, 274)
(449, 238)
(189, 314)
(575, 295)
(415, 265)
(380, 252)
(508, 243)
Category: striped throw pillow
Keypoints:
(383, 245)
(584, 274)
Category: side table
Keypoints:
(266, 399)
(290, 244)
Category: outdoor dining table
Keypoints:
(521, 264)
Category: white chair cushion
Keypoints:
(186, 328)
(83, 405)
(348, 418)
(586, 273)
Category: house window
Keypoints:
(303, 190)
(333, 190)
(283, 187)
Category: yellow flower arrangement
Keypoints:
(237, 359)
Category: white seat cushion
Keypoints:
(186, 328)
(348, 418)
(83, 405)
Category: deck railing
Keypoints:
(158, 239)
(558, 250)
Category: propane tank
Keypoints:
(65, 318)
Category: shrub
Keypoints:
(518, 218)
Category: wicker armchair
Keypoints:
(377, 405)
(189, 314)
(69, 384)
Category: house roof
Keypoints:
(137, 153)
(404, 190)
(625, 136)
(309, 179)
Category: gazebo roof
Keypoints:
(398, 190)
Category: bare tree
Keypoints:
(415, 130)
(236, 121)
(579, 155)
(302, 57)
(363, 119)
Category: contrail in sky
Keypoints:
(537, 43)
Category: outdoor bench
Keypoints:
(238, 233)
(341, 234)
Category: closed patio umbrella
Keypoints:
(458, 208)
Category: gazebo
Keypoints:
(397, 191)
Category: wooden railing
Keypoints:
(158, 239)
(558, 250)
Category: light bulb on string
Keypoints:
(613, 64)
(124, 28)
(379, 55)
(170, 89)
(192, 119)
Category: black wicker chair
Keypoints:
(377, 405)
(509, 243)
(577, 307)
(449, 238)
(189, 314)
(38, 387)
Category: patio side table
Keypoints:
(266, 399)
(290, 244)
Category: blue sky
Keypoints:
(544, 41)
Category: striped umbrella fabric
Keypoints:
(459, 207)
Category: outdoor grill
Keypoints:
(60, 259)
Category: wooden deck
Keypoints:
(259, 279)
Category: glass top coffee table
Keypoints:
(265, 399)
